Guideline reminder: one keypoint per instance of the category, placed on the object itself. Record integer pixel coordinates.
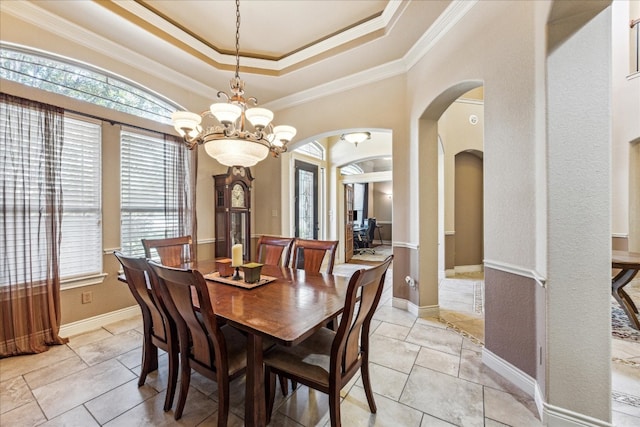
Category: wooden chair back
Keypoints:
(327, 360)
(274, 250)
(159, 330)
(198, 325)
(204, 346)
(173, 251)
(351, 344)
(309, 254)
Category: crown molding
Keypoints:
(35, 15)
(372, 75)
(445, 22)
(289, 59)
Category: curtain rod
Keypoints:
(89, 115)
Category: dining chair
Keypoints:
(219, 352)
(309, 254)
(173, 251)
(328, 359)
(159, 330)
(274, 250)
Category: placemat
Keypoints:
(215, 276)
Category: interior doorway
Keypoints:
(461, 214)
(350, 219)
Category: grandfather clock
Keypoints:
(233, 211)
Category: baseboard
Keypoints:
(550, 415)
(539, 399)
(400, 303)
(468, 268)
(97, 322)
(426, 311)
(559, 417)
(512, 374)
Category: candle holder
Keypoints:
(236, 275)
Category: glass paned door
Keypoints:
(306, 200)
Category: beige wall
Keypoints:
(469, 212)
(381, 196)
(458, 134)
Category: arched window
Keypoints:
(312, 149)
(351, 169)
(83, 82)
(81, 250)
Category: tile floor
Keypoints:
(425, 372)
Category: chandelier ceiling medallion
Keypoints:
(355, 137)
(231, 141)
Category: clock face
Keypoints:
(237, 196)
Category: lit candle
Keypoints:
(236, 255)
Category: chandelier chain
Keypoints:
(237, 39)
(231, 141)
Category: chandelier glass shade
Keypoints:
(237, 132)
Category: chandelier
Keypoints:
(355, 137)
(244, 134)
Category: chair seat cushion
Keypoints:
(237, 348)
(308, 360)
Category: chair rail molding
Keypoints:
(517, 270)
(407, 245)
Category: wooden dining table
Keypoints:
(629, 265)
(286, 311)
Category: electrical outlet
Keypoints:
(87, 297)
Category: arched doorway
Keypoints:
(460, 195)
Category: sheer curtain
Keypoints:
(31, 138)
(181, 186)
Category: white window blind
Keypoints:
(81, 234)
(81, 245)
(148, 194)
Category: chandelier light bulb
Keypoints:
(225, 112)
(259, 117)
(186, 122)
(283, 134)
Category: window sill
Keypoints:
(79, 282)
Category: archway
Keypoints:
(431, 235)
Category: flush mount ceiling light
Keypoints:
(355, 137)
(232, 141)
